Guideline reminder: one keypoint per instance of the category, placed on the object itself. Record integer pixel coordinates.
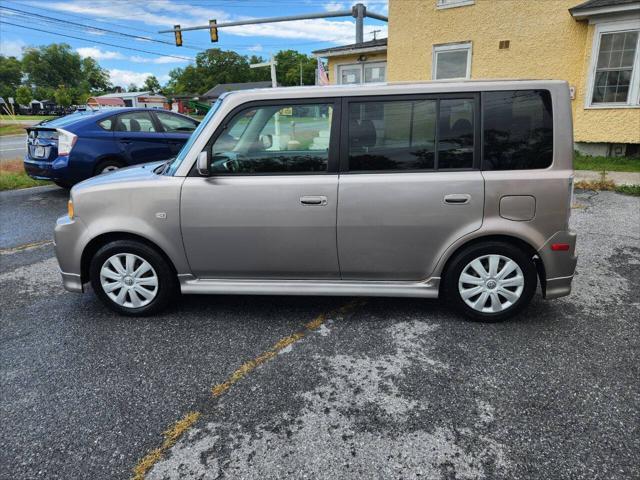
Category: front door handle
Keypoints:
(314, 200)
(457, 198)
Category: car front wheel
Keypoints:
(491, 281)
(132, 278)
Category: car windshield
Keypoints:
(175, 163)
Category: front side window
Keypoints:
(615, 80)
(451, 61)
(175, 123)
(400, 135)
(275, 139)
(135, 122)
(518, 130)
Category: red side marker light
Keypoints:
(560, 247)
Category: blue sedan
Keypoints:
(70, 149)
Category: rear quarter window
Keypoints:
(106, 124)
(517, 130)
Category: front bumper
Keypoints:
(70, 238)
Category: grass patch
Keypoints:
(13, 176)
(7, 118)
(12, 129)
(611, 164)
(629, 190)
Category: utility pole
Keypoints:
(272, 64)
(300, 72)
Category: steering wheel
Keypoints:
(231, 165)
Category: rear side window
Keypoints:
(518, 130)
(139, 121)
(411, 135)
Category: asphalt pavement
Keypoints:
(12, 147)
(319, 387)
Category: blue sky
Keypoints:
(145, 17)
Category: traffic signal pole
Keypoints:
(358, 11)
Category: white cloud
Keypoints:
(334, 6)
(98, 54)
(126, 77)
(12, 48)
(158, 60)
(255, 48)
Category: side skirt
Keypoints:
(424, 289)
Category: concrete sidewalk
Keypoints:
(619, 178)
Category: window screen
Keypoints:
(518, 130)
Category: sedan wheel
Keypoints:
(109, 168)
(491, 283)
(129, 280)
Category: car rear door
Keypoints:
(139, 138)
(176, 129)
(268, 209)
(409, 184)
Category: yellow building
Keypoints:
(594, 45)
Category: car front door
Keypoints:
(139, 138)
(268, 208)
(409, 184)
(176, 130)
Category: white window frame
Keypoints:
(468, 46)
(633, 99)
(442, 4)
(359, 65)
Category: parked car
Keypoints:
(73, 148)
(454, 190)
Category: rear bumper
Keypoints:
(45, 170)
(559, 266)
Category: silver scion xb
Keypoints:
(460, 191)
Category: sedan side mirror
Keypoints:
(202, 163)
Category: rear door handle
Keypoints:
(314, 200)
(457, 198)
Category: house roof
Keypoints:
(378, 45)
(106, 101)
(601, 7)
(221, 88)
(147, 94)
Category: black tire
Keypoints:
(65, 185)
(167, 287)
(115, 164)
(463, 258)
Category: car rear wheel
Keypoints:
(491, 281)
(132, 278)
(107, 166)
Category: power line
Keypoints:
(68, 22)
(95, 41)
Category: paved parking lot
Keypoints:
(312, 387)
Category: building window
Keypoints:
(615, 73)
(366, 72)
(451, 61)
(454, 3)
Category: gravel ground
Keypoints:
(387, 388)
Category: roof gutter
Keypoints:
(351, 51)
(585, 13)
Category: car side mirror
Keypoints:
(266, 141)
(202, 163)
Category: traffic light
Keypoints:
(213, 30)
(178, 33)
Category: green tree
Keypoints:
(52, 65)
(152, 84)
(289, 64)
(24, 95)
(63, 96)
(132, 87)
(10, 75)
(43, 93)
(97, 78)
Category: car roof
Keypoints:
(93, 115)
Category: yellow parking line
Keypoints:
(26, 246)
(173, 434)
